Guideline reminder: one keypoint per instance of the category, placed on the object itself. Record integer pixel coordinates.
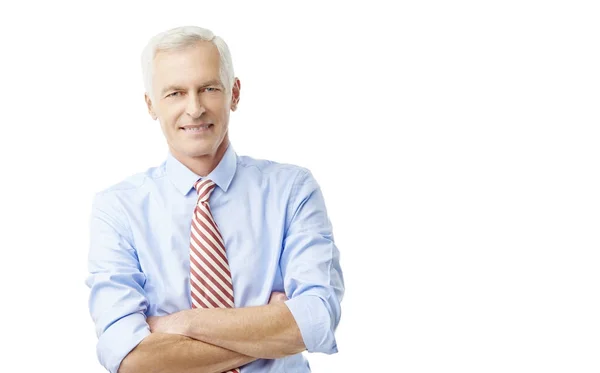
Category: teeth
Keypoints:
(197, 128)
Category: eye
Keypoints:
(211, 89)
(174, 94)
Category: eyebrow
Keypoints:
(179, 88)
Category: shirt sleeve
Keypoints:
(310, 265)
(117, 300)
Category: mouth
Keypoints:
(196, 128)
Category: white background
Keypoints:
(456, 143)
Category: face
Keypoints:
(190, 102)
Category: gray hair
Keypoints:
(182, 37)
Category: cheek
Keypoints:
(218, 105)
(170, 116)
(225, 115)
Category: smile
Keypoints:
(193, 129)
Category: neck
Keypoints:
(204, 164)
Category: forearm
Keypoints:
(267, 332)
(166, 353)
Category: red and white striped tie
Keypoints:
(210, 278)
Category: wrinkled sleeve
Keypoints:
(117, 301)
(310, 265)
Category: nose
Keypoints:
(194, 106)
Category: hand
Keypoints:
(163, 324)
(277, 297)
(156, 323)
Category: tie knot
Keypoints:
(204, 187)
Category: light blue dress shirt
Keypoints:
(277, 235)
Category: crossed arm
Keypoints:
(216, 340)
(161, 352)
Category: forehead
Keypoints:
(195, 63)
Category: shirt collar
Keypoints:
(183, 178)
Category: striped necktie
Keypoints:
(210, 278)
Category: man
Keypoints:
(210, 262)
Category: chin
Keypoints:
(200, 152)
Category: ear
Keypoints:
(150, 108)
(235, 94)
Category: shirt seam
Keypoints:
(293, 195)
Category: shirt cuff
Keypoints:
(120, 338)
(314, 321)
